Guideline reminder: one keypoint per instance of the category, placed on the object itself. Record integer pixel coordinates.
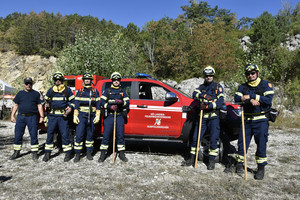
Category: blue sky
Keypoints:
(139, 12)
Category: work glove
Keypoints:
(114, 107)
(97, 118)
(203, 106)
(207, 97)
(46, 121)
(75, 117)
(119, 102)
(68, 111)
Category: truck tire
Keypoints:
(203, 154)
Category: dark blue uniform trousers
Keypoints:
(213, 125)
(63, 125)
(258, 129)
(21, 123)
(109, 126)
(84, 127)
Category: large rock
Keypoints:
(15, 68)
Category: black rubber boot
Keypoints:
(67, 157)
(102, 156)
(259, 175)
(89, 155)
(34, 155)
(190, 161)
(46, 157)
(240, 168)
(211, 164)
(122, 156)
(77, 157)
(15, 155)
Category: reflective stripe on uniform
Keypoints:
(193, 150)
(71, 97)
(86, 109)
(260, 160)
(89, 143)
(67, 147)
(103, 97)
(214, 105)
(121, 147)
(103, 147)
(58, 98)
(198, 93)
(125, 99)
(87, 99)
(239, 158)
(35, 147)
(257, 97)
(49, 147)
(207, 115)
(220, 95)
(78, 146)
(17, 147)
(239, 94)
(213, 152)
(268, 92)
(253, 118)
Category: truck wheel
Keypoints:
(204, 149)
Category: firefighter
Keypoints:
(211, 99)
(28, 103)
(86, 114)
(59, 103)
(114, 99)
(256, 96)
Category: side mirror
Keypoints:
(170, 96)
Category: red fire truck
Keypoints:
(160, 112)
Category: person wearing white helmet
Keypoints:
(211, 97)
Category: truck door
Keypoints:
(151, 115)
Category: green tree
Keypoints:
(99, 54)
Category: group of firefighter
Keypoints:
(255, 96)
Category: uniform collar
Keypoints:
(88, 86)
(58, 88)
(114, 87)
(254, 83)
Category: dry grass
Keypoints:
(284, 122)
(154, 175)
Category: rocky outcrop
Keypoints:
(15, 68)
(292, 43)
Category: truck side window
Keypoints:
(152, 91)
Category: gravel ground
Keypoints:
(154, 171)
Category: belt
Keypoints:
(27, 114)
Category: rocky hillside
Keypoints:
(15, 68)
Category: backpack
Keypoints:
(214, 88)
(93, 92)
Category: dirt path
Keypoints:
(154, 171)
